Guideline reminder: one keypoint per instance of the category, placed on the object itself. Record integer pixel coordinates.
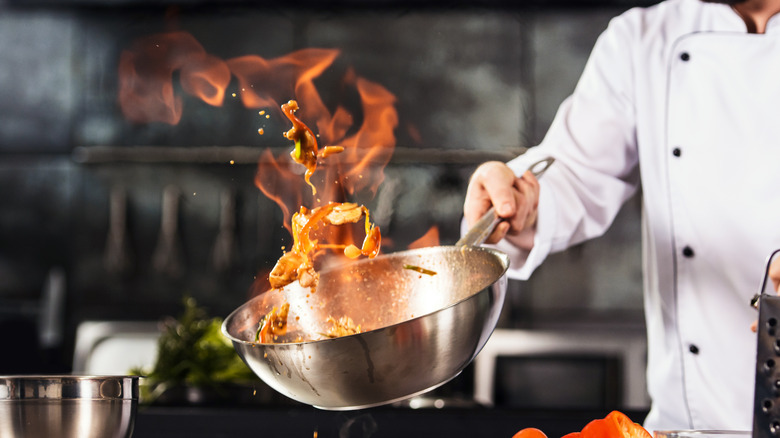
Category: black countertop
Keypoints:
(251, 422)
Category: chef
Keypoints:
(682, 99)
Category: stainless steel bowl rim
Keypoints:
(497, 253)
(68, 387)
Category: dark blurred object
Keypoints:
(590, 382)
(33, 333)
(351, 3)
(154, 422)
(592, 369)
(22, 352)
(221, 395)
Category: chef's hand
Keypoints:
(774, 275)
(516, 201)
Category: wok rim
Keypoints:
(500, 255)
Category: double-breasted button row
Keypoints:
(685, 56)
(687, 251)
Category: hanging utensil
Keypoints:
(167, 258)
(118, 256)
(223, 254)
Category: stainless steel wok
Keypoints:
(418, 330)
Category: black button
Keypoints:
(693, 349)
(685, 56)
(676, 152)
(688, 251)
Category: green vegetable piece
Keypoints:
(298, 150)
(420, 270)
(260, 328)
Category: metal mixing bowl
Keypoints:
(45, 406)
(419, 330)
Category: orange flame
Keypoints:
(146, 91)
(260, 285)
(268, 83)
(146, 94)
(279, 184)
(373, 144)
(206, 77)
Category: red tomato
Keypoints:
(530, 432)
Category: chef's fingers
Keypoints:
(527, 202)
(492, 184)
(498, 233)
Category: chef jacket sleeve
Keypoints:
(593, 139)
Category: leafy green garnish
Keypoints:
(193, 352)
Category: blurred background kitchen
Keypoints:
(107, 219)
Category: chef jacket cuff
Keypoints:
(522, 263)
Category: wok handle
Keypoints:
(487, 223)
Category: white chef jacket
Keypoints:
(680, 98)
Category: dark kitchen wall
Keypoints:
(85, 192)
